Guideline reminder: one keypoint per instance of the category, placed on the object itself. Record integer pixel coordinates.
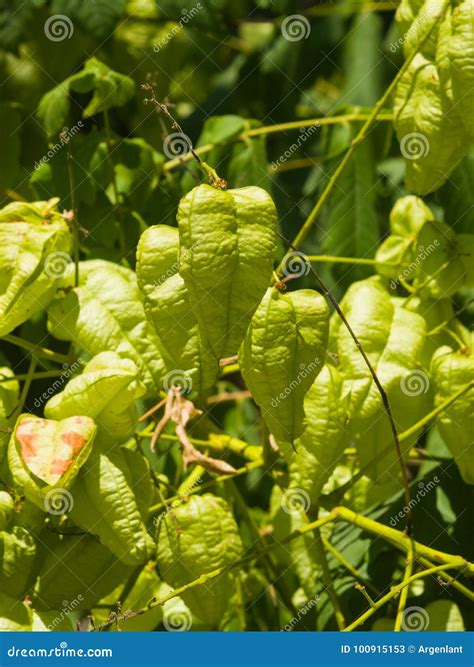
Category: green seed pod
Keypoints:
(112, 496)
(428, 127)
(44, 457)
(7, 507)
(281, 356)
(461, 54)
(450, 372)
(106, 391)
(393, 339)
(34, 245)
(320, 447)
(194, 538)
(168, 309)
(105, 313)
(9, 394)
(227, 248)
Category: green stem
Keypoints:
(327, 581)
(211, 482)
(405, 590)
(345, 563)
(36, 376)
(347, 260)
(393, 592)
(362, 590)
(37, 350)
(26, 387)
(434, 413)
(362, 134)
(450, 580)
(118, 208)
(393, 536)
(272, 129)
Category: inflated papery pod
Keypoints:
(34, 249)
(105, 312)
(74, 572)
(425, 252)
(320, 448)
(451, 371)
(44, 457)
(9, 394)
(227, 248)
(393, 339)
(166, 301)
(455, 59)
(428, 127)
(111, 499)
(17, 554)
(281, 356)
(195, 538)
(106, 391)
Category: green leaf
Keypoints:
(281, 356)
(105, 313)
(10, 140)
(444, 616)
(15, 20)
(351, 223)
(15, 616)
(111, 89)
(200, 536)
(105, 391)
(53, 109)
(218, 129)
(111, 500)
(74, 573)
(362, 63)
(99, 18)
